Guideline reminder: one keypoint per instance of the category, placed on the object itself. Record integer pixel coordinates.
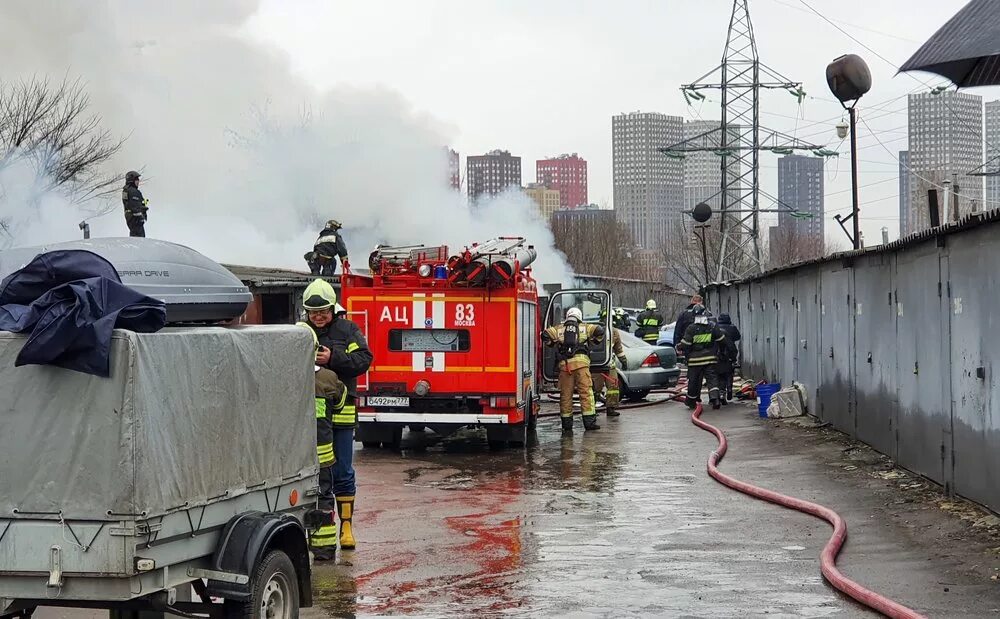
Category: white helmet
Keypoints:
(574, 313)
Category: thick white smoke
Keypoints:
(240, 159)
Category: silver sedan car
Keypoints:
(649, 367)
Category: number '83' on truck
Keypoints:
(454, 339)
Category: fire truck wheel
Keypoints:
(417, 427)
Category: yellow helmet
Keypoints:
(319, 295)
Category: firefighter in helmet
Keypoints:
(572, 340)
(330, 395)
(136, 206)
(607, 376)
(342, 349)
(649, 321)
(620, 320)
(704, 344)
(328, 247)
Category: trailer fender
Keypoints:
(247, 538)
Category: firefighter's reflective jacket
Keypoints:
(573, 340)
(331, 395)
(349, 358)
(703, 343)
(649, 322)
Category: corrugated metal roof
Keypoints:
(969, 222)
(264, 276)
(966, 48)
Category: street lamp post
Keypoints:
(849, 79)
(702, 213)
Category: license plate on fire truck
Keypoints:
(385, 401)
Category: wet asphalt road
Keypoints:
(624, 522)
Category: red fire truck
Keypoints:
(454, 339)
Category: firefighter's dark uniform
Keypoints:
(726, 366)
(330, 396)
(703, 343)
(572, 340)
(349, 358)
(328, 247)
(620, 321)
(135, 209)
(607, 376)
(649, 321)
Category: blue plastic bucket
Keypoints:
(764, 393)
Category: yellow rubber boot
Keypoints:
(345, 509)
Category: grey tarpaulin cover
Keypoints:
(187, 415)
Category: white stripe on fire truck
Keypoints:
(419, 314)
(439, 323)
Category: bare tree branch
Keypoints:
(50, 126)
(595, 246)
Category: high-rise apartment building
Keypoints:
(799, 235)
(905, 194)
(547, 200)
(648, 185)
(589, 213)
(454, 170)
(992, 197)
(945, 144)
(492, 173)
(568, 175)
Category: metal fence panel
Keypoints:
(924, 419)
(971, 284)
(875, 352)
(760, 331)
(785, 328)
(807, 343)
(835, 355)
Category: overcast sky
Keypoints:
(544, 78)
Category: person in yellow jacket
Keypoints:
(342, 349)
(573, 339)
(607, 376)
(330, 394)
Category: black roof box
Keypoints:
(195, 288)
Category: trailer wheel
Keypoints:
(274, 591)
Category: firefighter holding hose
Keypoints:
(572, 340)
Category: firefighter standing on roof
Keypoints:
(343, 349)
(572, 339)
(328, 247)
(330, 395)
(607, 376)
(136, 206)
(649, 321)
(704, 344)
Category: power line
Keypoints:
(866, 29)
(917, 174)
(891, 64)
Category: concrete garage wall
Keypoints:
(898, 346)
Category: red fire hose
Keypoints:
(828, 558)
